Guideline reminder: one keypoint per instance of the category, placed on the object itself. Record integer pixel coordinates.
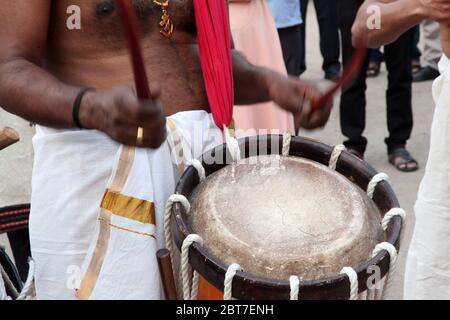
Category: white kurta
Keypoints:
(428, 264)
(72, 170)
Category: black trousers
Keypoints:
(329, 34)
(290, 39)
(398, 56)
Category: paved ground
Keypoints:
(404, 184)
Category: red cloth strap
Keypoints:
(214, 41)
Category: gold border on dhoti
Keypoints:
(129, 207)
(89, 280)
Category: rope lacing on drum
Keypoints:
(389, 247)
(287, 138)
(337, 151)
(294, 282)
(189, 293)
(394, 212)
(232, 145)
(374, 182)
(199, 167)
(353, 278)
(175, 198)
(228, 284)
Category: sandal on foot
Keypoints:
(402, 160)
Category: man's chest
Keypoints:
(101, 17)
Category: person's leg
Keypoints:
(353, 97)
(302, 42)
(376, 57)
(432, 52)
(329, 36)
(399, 100)
(290, 44)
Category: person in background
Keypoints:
(398, 57)
(255, 35)
(376, 58)
(432, 52)
(288, 21)
(329, 37)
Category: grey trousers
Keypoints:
(432, 51)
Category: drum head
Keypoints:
(282, 216)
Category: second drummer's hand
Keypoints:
(119, 113)
(296, 96)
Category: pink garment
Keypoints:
(255, 35)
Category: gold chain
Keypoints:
(166, 23)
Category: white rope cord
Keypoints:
(353, 278)
(392, 264)
(374, 182)
(232, 145)
(391, 214)
(337, 151)
(194, 290)
(287, 138)
(229, 276)
(190, 239)
(295, 287)
(199, 167)
(29, 282)
(168, 218)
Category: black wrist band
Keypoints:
(76, 107)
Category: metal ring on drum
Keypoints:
(278, 216)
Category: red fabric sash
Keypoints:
(214, 41)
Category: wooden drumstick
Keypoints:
(166, 270)
(8, 136)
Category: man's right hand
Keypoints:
(119, 114)
(438, 10)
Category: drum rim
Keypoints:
(334, 287)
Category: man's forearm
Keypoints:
(251, 83)
(33, 94)
(396, 18)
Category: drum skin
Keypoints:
(281, 216)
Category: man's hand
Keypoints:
(119, 114)
(438, 10)
(296, 96)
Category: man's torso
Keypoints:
(96, 55)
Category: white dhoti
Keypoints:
(428, 264)
(98, 244)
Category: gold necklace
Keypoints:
(166, 23)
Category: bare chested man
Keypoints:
(43, 68)
(428, 265)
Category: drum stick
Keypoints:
(134, 45)
(8, 136)
(166, 270)
(348, 75)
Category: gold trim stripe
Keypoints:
(128, 230)
(129, 207)
(90, 278)
(177, 146)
